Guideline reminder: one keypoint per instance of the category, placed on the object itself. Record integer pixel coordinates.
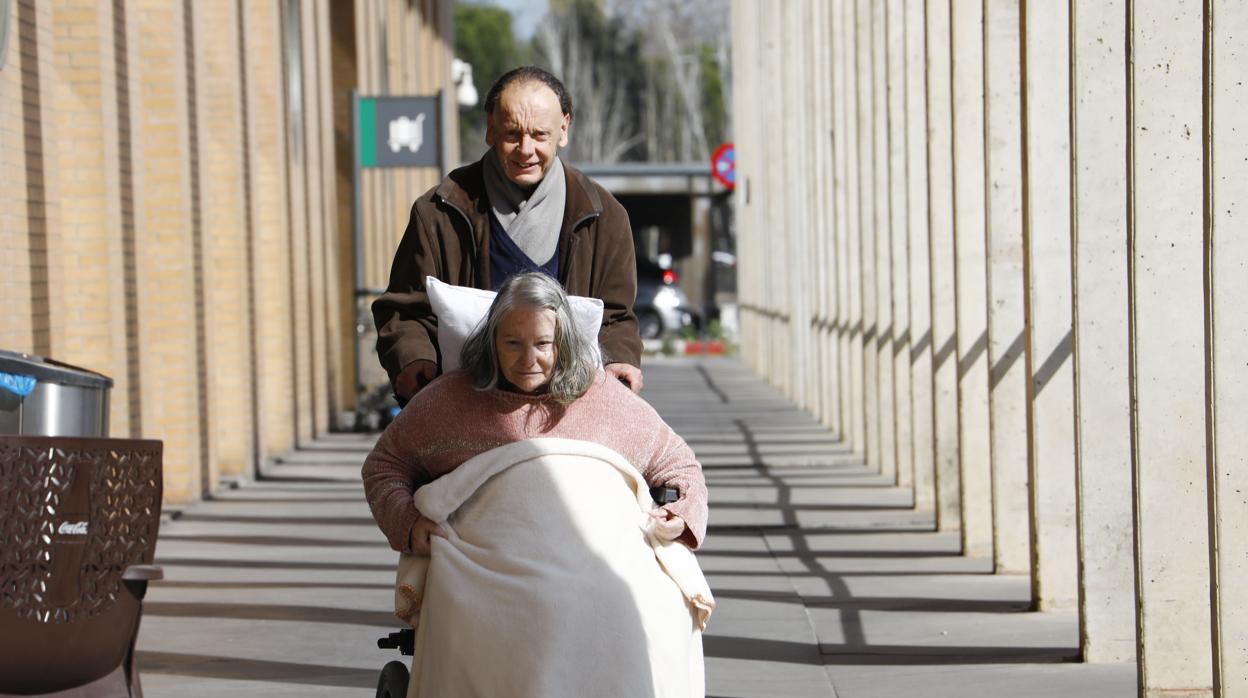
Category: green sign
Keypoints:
(5, 7)
(397, 132)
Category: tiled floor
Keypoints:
(824, 574)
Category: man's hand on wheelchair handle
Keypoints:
(413, 377)
(627, 374)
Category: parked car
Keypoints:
(661, 306)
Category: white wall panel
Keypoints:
(1007, 359)
(1168, 352)
(1049, 366)
(944, 301)
(1100, 345)
(1229, 280)
(970, 256)
(919, 355)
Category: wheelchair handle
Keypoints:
(664, 495)
(404, 641)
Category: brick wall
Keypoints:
(91, 311)
(15, 266)
(167, 283)
(170, 220)
(222, 234)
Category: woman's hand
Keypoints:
(667, 526)
(421, 530)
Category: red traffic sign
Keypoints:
(724, 165)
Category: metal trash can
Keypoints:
(43, 397)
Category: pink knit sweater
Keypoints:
(449, 422)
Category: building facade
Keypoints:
(995, 245)
(178, 208)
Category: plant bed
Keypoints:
(708, 347)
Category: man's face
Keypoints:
(526, 129)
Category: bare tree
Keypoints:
(601, 132)
(675, 128)
(687, 74)
(637, 71)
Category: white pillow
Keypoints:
(460, 309)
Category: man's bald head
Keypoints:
(526, 74)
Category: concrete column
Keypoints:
(943, 303)
(1006, 313)
(766, 210)
(828, 291)
(883, 344)
(741, 208)
(974, 447)
(797, 201)
(756, 194)
(841, 147)
(1229, 261)
(1049, 367)
(223, 233)
(298, 81)
(167, 302)
(1101, 349)
(336, 244)
(830, 386)
(867, 221)
(820, 276)
(758, 197)
(778, 273)
(855, 223)
(919, 355)
(754, 191)
(1166, 176)
(317, 123)
(772, 210)
(899, 216)
(200, 319)
(808, 102)
(345, 79)
(270, 269)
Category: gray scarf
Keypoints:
(532, 219)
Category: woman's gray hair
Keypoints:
(575, 361)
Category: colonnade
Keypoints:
(995, 246)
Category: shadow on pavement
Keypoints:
(309, 614)
(208, 667)
(753, 648)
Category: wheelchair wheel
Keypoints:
(393, 681)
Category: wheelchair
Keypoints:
(394, 678)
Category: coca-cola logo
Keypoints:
(72, 528)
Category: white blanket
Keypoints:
(552, 582)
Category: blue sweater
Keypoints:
(507, 259)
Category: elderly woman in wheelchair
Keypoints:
(517, 489)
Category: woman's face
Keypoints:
(525, 343)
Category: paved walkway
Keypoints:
(828, 582)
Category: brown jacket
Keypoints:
(448, 237)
